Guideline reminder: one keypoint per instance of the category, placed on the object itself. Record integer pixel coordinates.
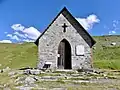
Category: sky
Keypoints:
(25, 20)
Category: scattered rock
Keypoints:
(75, 75)
(105, 75)
(37, 78)
(12, 73)
(58, 89)
(113, 44)
(24, 88)
(6, 69)
(81, 81)
(19, 80)
(32, 71)
(28, 87)
(97, 71)
(19, 72)
(63, 76)
(35, 71)
(27, 71)
(48, 77)
(29, 81)
(24, 68)
(48, 70)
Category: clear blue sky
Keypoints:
(39, 13)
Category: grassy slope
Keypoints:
(106, 55)
(22, 55)
(18, 55)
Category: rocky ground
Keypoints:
(33, 79)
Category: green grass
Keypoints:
(18, 55)
(105, 56)
(108, 57)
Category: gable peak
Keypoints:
(64, 9)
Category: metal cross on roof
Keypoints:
(64, 26)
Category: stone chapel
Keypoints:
(65, 44)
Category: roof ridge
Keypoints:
(73, 22)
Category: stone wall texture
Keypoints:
(50, 40)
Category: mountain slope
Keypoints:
(18, 55)
(105, 55)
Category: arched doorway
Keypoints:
(64, 55)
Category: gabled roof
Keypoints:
(74, 23)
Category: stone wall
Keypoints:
(50, 40)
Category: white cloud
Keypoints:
(23, 34)
(28, 40)
(9, 35)
(112, 32)
(17, 27)
(13, 37)
(113, 28)
(88, 22)
(20, 35)
(5, 41)
(31, 32)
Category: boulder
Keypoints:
(58, 89)
(12, 73)
(6, 69)
(32, 71)
(29, 80)
(113, 43)
(24, 88)
(19, 80)
(35, 71)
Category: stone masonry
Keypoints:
(50, 40)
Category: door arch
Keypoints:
(64, 55)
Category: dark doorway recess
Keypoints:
(64, 55)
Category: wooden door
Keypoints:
(64, 51)
(61, 57)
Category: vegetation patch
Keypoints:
(105, 55)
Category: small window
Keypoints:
(80, 50)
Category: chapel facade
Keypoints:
(65, 44)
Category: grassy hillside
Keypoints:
(18, 55)
(21, 55)
(106, 55)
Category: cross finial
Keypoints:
(64, 27)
